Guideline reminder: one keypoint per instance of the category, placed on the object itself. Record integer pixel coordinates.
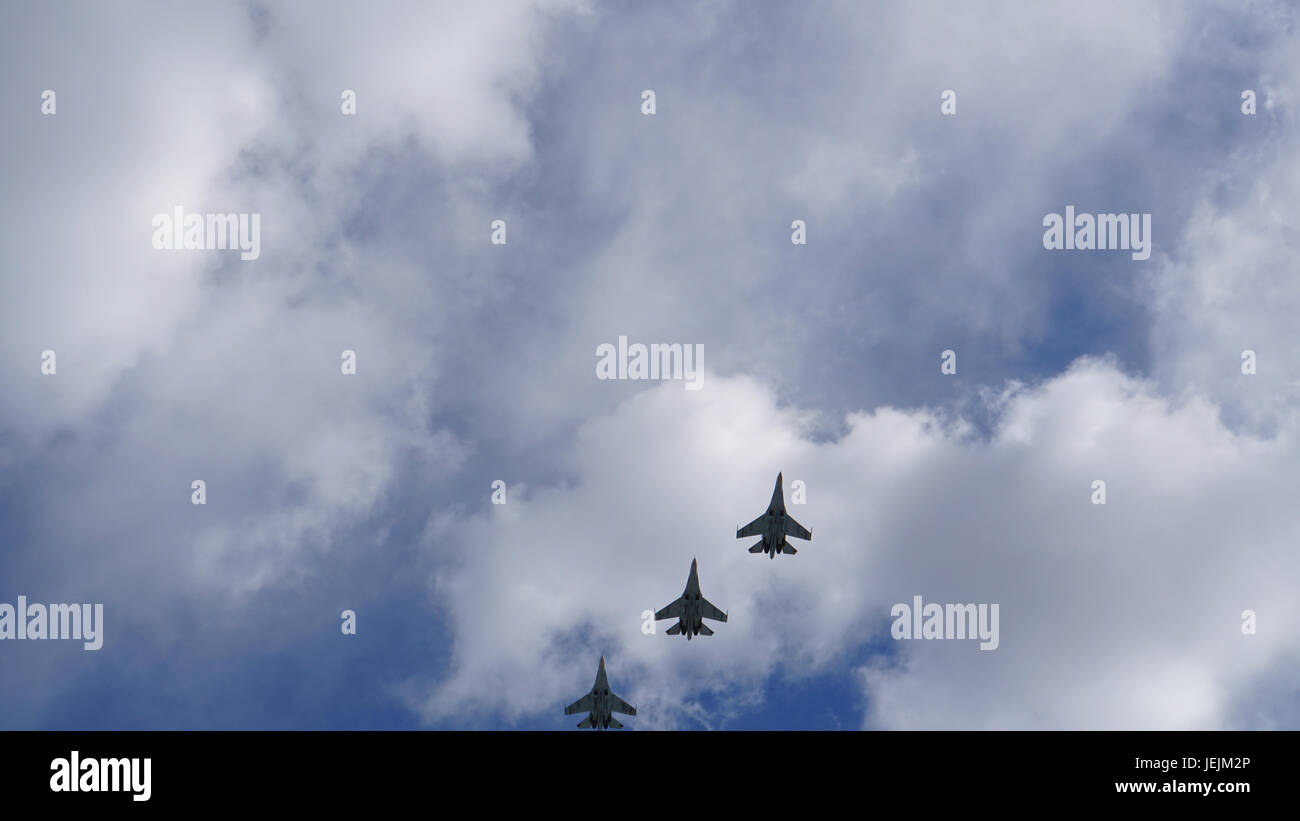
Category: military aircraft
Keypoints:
(601, 704)
(774, 526)
(691, 610)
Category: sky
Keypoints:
(476, 362)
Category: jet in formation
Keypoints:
(691, 610)
(774, 526)
(600, 704)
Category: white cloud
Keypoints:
(226, 371)
(1123, 615)
(181, 367)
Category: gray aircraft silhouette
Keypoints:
(601, 704)
(691, 610)
(774, 526)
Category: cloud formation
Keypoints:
(476, 362)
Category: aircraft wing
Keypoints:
(793, 528)
(672, 611)
(754, 528)
(582, 705)
(618, 705)
(709, 611)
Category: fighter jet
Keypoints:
(691, 610)
(774, 526)
(601, 704)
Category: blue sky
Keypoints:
(476, 362)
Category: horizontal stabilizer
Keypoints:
(614, 723)
(758, 548)
(786, 548)
(675, 629)
(585, 723)
(704, 630)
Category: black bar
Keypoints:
(441, 770)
